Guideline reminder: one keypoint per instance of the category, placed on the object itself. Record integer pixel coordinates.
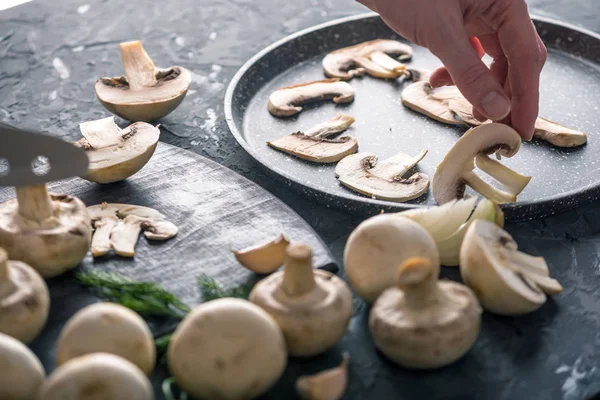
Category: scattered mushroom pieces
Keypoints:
(264, 258)
(118, 226)
(384, 180)
(379, 58)
(227, 349)
(424, 323)
(49, 232)
(22, 372)
(107, 328)
(24, 300)
(326, 385)
(146, 93)
(317, 144)
(97, 376)
(312, 307)
(419, 96)
(288, 100)
(378, 246)
(116, 154)
(506, 281)
(456, 169)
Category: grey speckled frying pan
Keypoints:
(570, 95)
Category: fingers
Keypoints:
(441, 77)
(498, 68)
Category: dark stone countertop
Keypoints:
(51, 53)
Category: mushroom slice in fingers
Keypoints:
(264, 258)
(326, 385)
(288, 100)
(380, 58)
(317, 144)
(456, 169)
(116, 154)
(424, 323)
(147, 93)
(383, 180)
(506, 281)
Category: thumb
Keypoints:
(473, 78)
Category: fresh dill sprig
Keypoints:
(211, 290)
(167, 388)
(162, 345)
(146, 298)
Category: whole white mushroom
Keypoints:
(21, 373)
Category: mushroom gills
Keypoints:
(263, 258)
(316, 144)
(383, 180)
(326, 385)
(287, 101)
(116, 154)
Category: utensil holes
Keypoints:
(4, 166)
(40, 165)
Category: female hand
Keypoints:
(508, 91)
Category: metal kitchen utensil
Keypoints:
(22, 148)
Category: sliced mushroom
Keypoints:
(506, 281)
(24, 300)
(147, 93)
(22, 372)
(384, 180)
(49, 232)
(326, 385)
(288, 100)
(379, 58)
(456, 169)
(424, 323)
(317, 145)
(117, 227)
(264, 258)
(116, 154)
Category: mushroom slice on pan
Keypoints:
(456, 169)
(116, 154)
(317, 144)
(147, 93)
(288, 100)
(379, 58)
(383, 180)
(117, 226)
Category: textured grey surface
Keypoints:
(552, 354)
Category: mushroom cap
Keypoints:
(378, 246)
(485, 267)
(434, 103)
(227, 349)
(148, 103)
(312, 322)
(448, 183)
(287, 101)
(97, 376)
(357, 172)
(24, 301)
(119, 154)
(52, 246)
(107, 328)
(426, 338)
(22, 372)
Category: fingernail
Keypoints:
(495, 105)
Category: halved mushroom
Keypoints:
(506, 281)
(49, 232)
(456, 169)
(147, 93)
(22, 372)
(117, 227)
(288, 100)
(316, 144)
(326, 385)
(379, 58)
(265, 257)
(115, 154)
(384, 180)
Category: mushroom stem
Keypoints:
(487, 190)
(34, 202)
(417, 280)
(387, 62)
(396, 166)
(298, 277)
(529, 264)
(338, 124)
(139, 68)
(101, 133)
(3, 266)
(125, 236)
(514, 181)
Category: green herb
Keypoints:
(167, 387)
(162, 345)
(211, 290)
(146, 298)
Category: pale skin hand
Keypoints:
(508, 91)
